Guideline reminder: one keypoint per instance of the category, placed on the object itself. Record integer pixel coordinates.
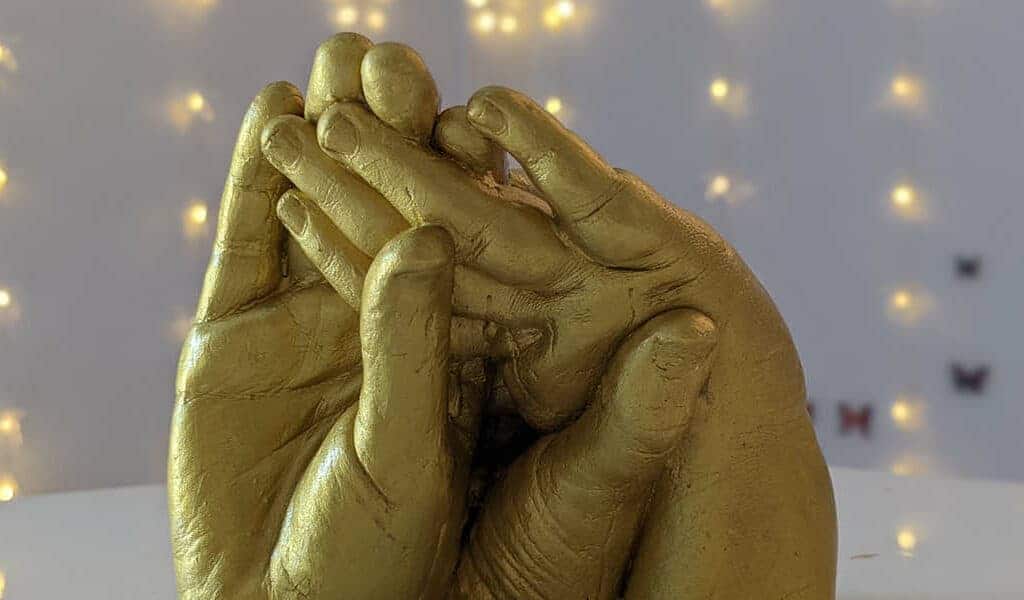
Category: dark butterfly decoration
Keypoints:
(968, 267)
(855, 419)
(967, 380)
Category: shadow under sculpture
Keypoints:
(415, 375)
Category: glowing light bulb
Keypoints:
(718, 187)
(903, 196)
(3, 179)
(477, 3)
(6, 300)
(901, 300)
(552, 18)
(566, 9)
(902, 87)
(195, 102)
(486, 22)
(906, 539)
(8, 489)
(9, 424)
(719, 89)
(900, 412)
(554, 105)
(346, 16)
(197, 213)
(376, 20)
(509, 24)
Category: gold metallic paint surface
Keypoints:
(327, 438)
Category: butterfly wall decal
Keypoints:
(969, 380)
(855, 419)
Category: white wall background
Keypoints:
(102, 272)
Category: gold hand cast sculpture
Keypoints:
(681, 463)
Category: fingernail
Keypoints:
(292, 213)
(282, 144)
(486, 114)
(340, 136)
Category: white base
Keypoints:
(969, 542)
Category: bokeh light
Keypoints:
(8, 488)
(346, 16)
(906, 539)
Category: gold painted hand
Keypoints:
(287, 476)
(562, 520)
(749, 474)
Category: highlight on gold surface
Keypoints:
(8, 488)
(195, 218)
(346, 16)
(3, 179)
(6, 299)
(477, 3)
(909, 304)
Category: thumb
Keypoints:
(563, 520)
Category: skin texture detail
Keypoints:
(416, 375)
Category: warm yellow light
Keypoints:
(903, 196)
(902, 87)
(906, 539)
(3, 179)
(8, 490)
(3, 584)
(486, 22)
(719, 186)
(509, 24)
(900, 412)
(197, 213)
(8, 424)
(346, 16)
(719, 89)
(376, 20)
(552, 18)
(566, 9)
(5, 298)
(901, 300)
(195, 102)
(554, 105)
(477, 3)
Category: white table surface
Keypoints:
(112, 544)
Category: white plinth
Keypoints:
(968, 542)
